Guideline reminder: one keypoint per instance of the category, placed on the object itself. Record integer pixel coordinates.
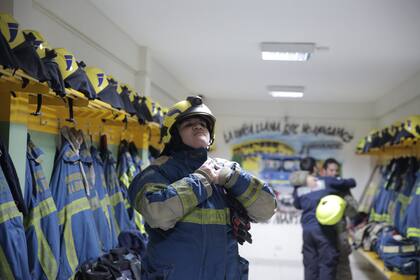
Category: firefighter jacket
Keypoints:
(126, 170)
(99, 210)
(413, 211)
(116, 195)
(69, 187)
(187, 218)
(100, 186)
(13, 248)
(12, 178)
(41, 223)
(307, 198)
(403, 196)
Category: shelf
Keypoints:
(374, 259)
(94, 117)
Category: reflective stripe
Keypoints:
(413, 232)
(5, 269)
(70, 248)
(390, 249)
(408, 248)
(43, 209)
(124, 179)
(186, 194)
(94, 202)
(403, 199)
(9, 211)
(418, 190)
(45, 255)
(78, 205)
(379, 217)
(252, 192)
(399, 249)
(104, 205)
(116, 198)
(208, 216)
(116, 225)
(73, 208)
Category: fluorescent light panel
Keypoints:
(286, 91)
(287, 51)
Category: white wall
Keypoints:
(355, 118)
(78, 26)
(400, 102)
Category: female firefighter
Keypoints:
(185, 198)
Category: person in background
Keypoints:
(320, 248)
(331, 168)
(184, 197)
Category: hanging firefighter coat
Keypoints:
(69, 186)
(42, 231)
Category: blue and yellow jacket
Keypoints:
(79, 240)
(307, 198)
(41, 223)
(187, 218)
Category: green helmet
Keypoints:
(330, 210)
(192, 106)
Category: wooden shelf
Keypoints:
(374, 259)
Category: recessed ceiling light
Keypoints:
(286, 91)
(286, 51)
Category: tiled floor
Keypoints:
(275, 254)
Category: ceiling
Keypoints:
(212, 47)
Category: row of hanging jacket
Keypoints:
(80, 215)
(29, 51)
(392, 200)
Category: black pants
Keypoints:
(320, 253)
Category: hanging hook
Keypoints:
(71, 114)
(38, 105)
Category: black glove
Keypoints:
(240, 221)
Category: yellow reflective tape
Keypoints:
(73, 208)
(124, 179)
(186, 194)
(5, 269)
(252, 192)
(70, 248)
(104, 205)
(43, 209)
(8, 211)
(116, 198)
(45, 255)
(403, 199)
(208, 216)
(413, 232)
(116, 225)
(418, 190)
(138, 219)
(65, 216)
(390, 249)
(94, 202)
(73, 177)
(408, 248)
(131, 171)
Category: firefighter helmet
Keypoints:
(411, 129)
(9, 27)
(192, 106)
(97, 78)
(66, 62)
(330, 210)
(40, 43)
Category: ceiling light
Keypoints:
(286, 91)
(287, 51)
